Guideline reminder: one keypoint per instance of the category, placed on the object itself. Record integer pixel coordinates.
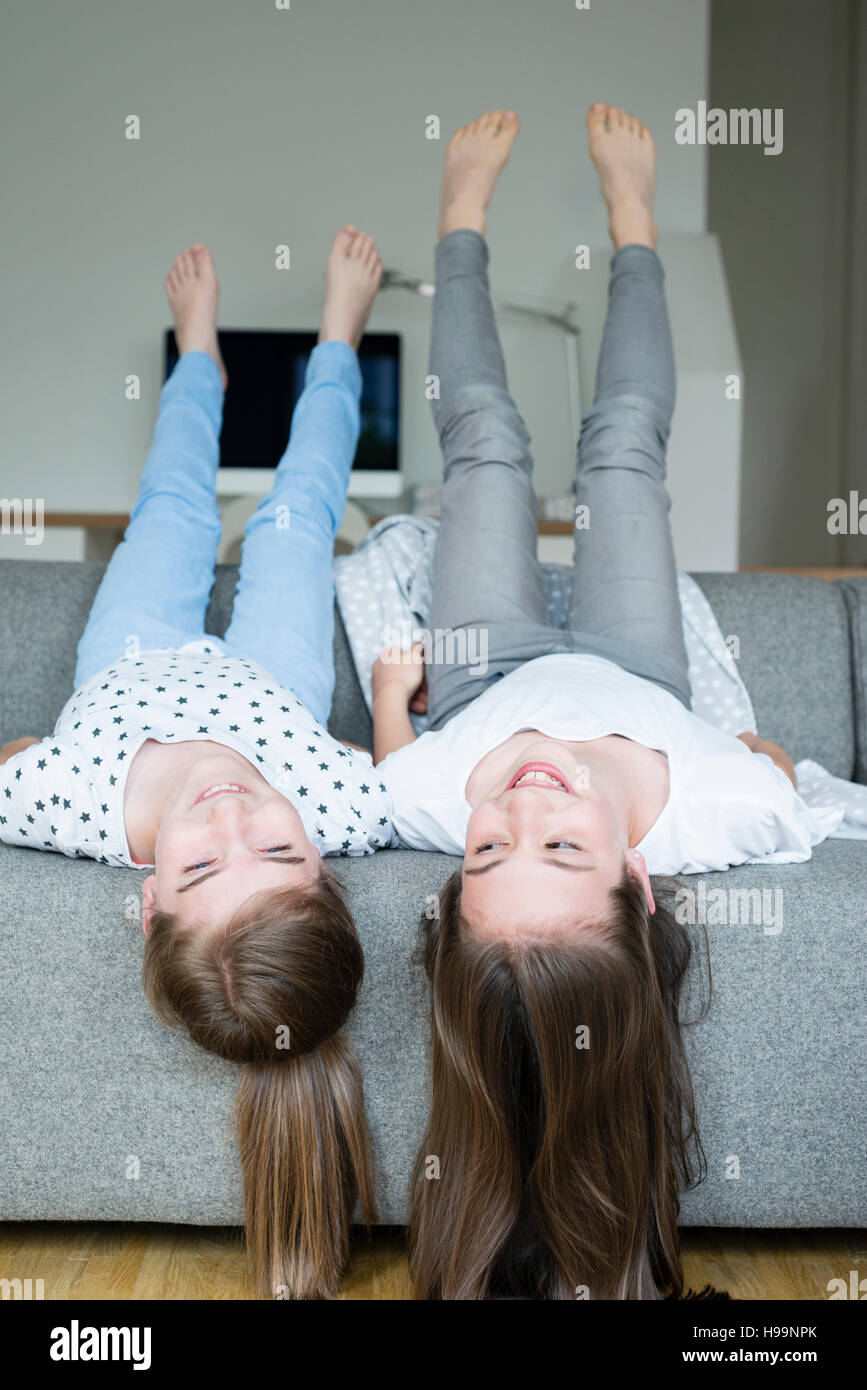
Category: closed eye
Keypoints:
(277, 854)
(191, 868)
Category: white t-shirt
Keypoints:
(66, 793)
(726, 805)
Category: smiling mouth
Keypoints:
(220, 789)
(540, 775)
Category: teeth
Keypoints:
(223, 787)
(539, 777)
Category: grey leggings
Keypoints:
(624, 603)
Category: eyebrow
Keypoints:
(554, 864)
(271, 859)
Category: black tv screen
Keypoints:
(266, 377)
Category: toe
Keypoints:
(343, 238)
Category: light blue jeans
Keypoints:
(156, 588)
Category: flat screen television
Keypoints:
(266, 377)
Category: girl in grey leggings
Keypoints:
(565, 774)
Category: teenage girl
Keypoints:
(208, 761)
(566, 776)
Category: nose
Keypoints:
(527, 808)
(227, 811)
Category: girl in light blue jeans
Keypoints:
(208, 761)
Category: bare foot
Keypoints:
(193, 292)
(474, 157)
(352, 275)
(625, 157)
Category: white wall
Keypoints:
(261, 127)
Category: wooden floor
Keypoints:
(109, 1261)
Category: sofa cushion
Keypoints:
(793, 636)
(92, 1083)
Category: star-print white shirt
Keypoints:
(66, 792)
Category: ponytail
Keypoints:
(271, 990)
(306, 1159)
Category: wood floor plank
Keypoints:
(116, 1261)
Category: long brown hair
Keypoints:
(562, 1121)
(271, 989)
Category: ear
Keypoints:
(637, 866)
(148, 901)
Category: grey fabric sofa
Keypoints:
(106, 1115)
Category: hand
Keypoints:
(777, 755)
(402, 670)
(16, 746)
